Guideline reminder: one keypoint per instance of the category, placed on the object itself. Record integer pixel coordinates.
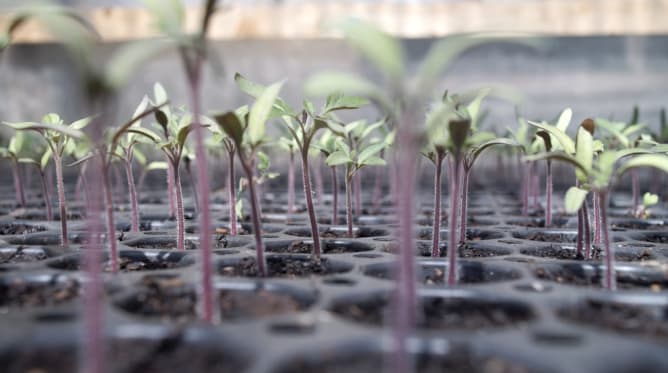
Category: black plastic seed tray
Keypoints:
(525, 302)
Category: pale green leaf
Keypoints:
(384, 51)
(129, 57)
(564, 140)
(370, 151)
(337, 158)
(658, 161)
(259, 112)
(574, 199)
(584, 153)
(564, 119)
(649, 199)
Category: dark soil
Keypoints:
(464, 250)
(456, 361)
(19, 292)
(573, 275)
(440, 312)
(171, 354)
(17, 228)
(559, 252)
(241, 305)
(21, 254)
(280, 266)
(168, 297)
(641, 320)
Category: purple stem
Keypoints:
(255, 217)
(610, 281)
(133, 196)
(357, 179)
(170, 190)
(349, 206)
(435, 236)
(587, 230)
(291, 183)
(535, 186)
(94, 354)
(18, 185)
(335, 194)
(180, 224)
(315, 233)
(61, 198)
(231, 194)
(452, 221)
(47, 199)
(580, 236)
(111, 228)
(405, 297)
(548, 195)
(525, 190)
(464, 206)
(204, 221)
(597, 220)
(635, 190)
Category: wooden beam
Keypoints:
(410, 20)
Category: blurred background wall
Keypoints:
(597, 75)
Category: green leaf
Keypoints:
(29, 161)
(157, 166)
(584, 153)
(374, 161)
(649, 199)
(574, 199)
(323, 84)
(564, 119)
(337, 158)
(129, 57)
(478, 150)
(255, 90)
(370, 151)
(259, 112)
(337, 101)
(658, 161)
(473, 107)
(555, 155)
(263, 162)
(144, 132)
(372, 127)
(81, 123)
(169, 14)
(230, 124)
(444, 52)
(615, 129)
(65, 130)
(564, 140)
(160, 96)
(384, 51)
(46, 157)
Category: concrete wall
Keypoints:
(596, 76)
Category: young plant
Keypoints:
(599, 174)
(625, 136)
(57, 135)
(175, 125)
(400, 99)
(39, 157)
(170, 19)
(303, 127)
(11, 152)
(326, 144)
(246, 128)
(289, 144)
(551, 144)
(648, 200)
(230, 149)
(355, 151)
